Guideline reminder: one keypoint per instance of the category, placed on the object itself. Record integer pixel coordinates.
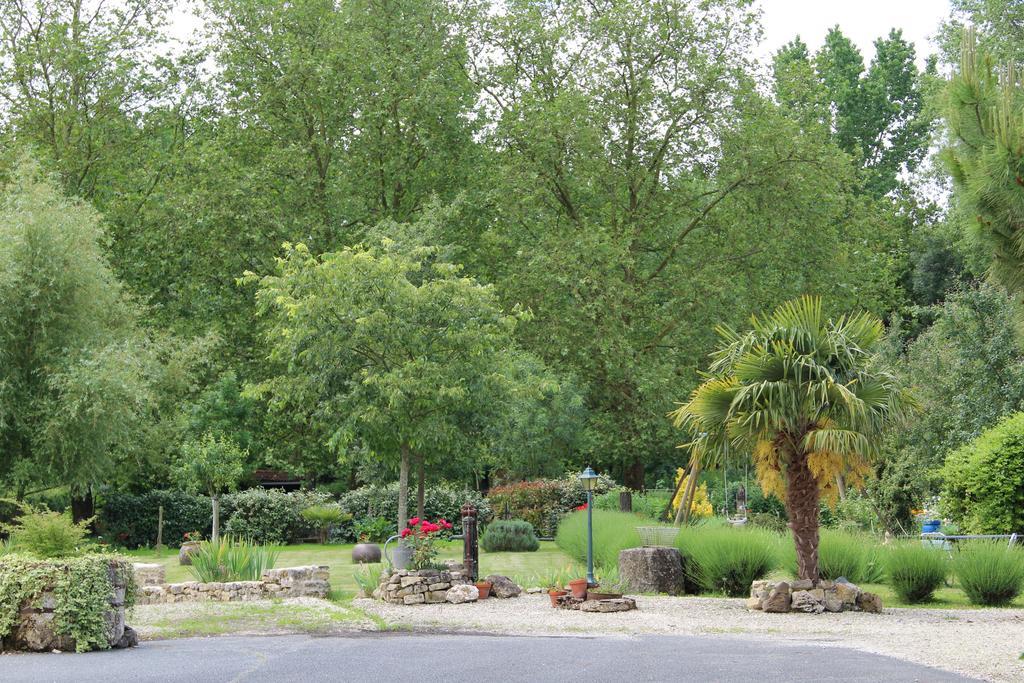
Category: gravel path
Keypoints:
(983, 644)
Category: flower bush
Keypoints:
(420, 535)
(369, 503)
(543, 502)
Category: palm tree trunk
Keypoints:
(420, 486)
(802, 507)
(403, 488)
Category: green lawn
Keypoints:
(523, 567)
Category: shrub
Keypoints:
(81, 591)
(990, 572)
(231, 559)
(442, 501)
(270, 516)
(543, 502)
(375, 530)
(769, 521)
(512, 535)
(727, 560)
(983, 481)
(323, 517)
(131, 519)
(613, 531)
(916, 571)
(46, 534)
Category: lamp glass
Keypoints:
(588, 478)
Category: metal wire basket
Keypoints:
(658, 536)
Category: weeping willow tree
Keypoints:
(806, 397)
(985, 113)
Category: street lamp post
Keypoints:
(588, 478)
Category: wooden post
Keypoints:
(626, 501)
(160, 528)
(470, 551)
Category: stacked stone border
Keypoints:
(288, 582)
(811, 597)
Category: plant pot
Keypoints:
(365, 553)
(578, 588)
(595, 595)
(554, 595)
(485, 589)
(188, 548)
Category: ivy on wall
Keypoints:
(81, 586)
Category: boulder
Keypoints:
(847, 593)
(869, 602)
(806, 601)
(652, 570)
(802, 585)
(779, 599)
(503, 587)
(833, 603)
(462, 593)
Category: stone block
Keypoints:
(779, 599)
(869, 602)
(434, 597)
(805, 601)
(503, 587)
(414, 599)
(613, 605)
(652, 570)
(802, 585)
(833, 603)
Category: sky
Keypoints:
(861, 20)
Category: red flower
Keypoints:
(582, 507)
(414, 521)
(405, 532)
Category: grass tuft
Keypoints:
(915, 571)
(991, 573)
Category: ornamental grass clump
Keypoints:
(853, 556)
(915, 571)
(510, 535)
(989, 572)
(613, 532)
(231, 559)
(727, 560)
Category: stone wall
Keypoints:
(289, 582)
(149, 574)
(35, 630)
(408, 587)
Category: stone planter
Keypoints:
(36, 628)
(652, 570)
(186, 552)
(424, 586)
(366, 553)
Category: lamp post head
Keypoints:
(588, 478)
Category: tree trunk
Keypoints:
(841, 485)
(633, 478)
(420, 487)
(802, 506)
(683, 514)
(82, 507)
(215, 500)
(403, 489)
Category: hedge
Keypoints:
(130, 520)
(439, 501)
(271, 516)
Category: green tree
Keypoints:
(877, 115)
(393, 350)
(632, 154)
(999, 23)
(806, 396)
(212, 465)
(986, 159)
(73, 373)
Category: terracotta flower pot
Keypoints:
(555, 594)
(188, 548)
(578, 588)
(484, 587)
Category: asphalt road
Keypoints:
(387, 658)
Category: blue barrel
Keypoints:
(930, 526)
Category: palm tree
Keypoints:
(806, 397)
